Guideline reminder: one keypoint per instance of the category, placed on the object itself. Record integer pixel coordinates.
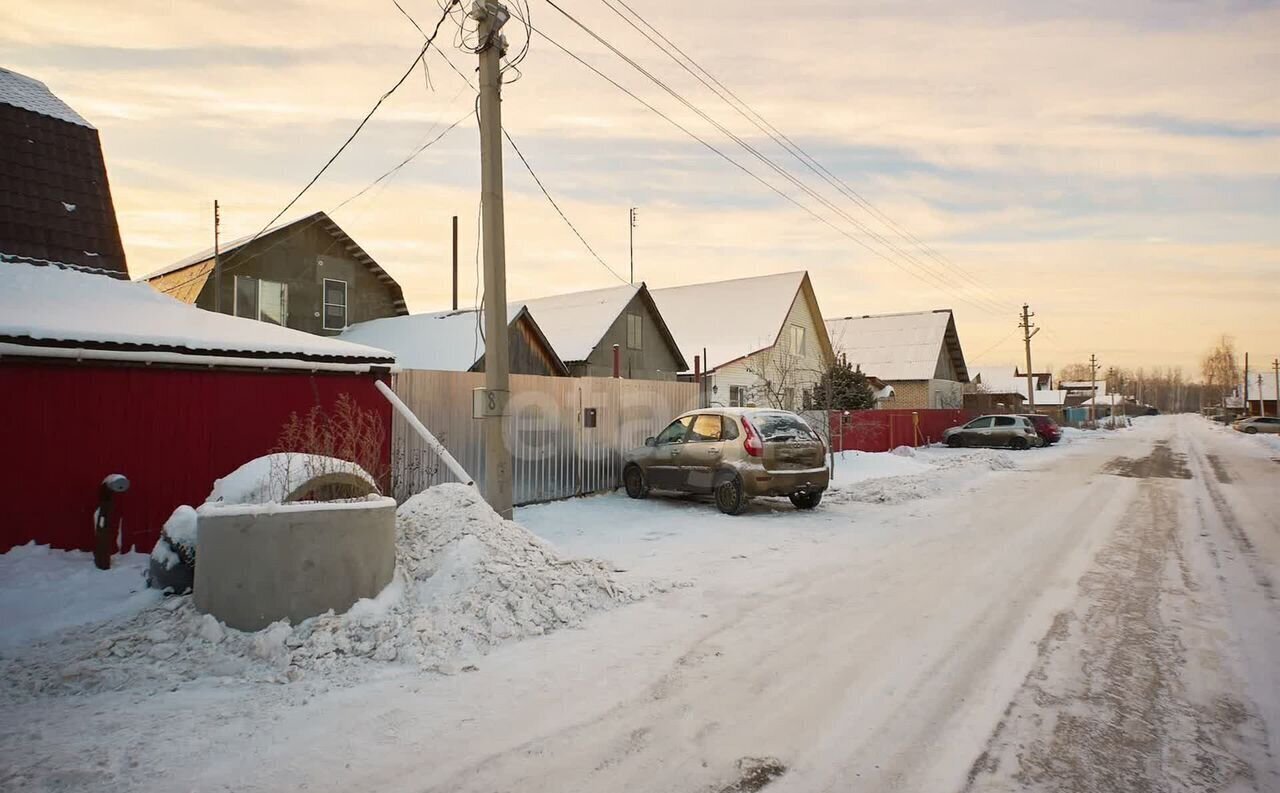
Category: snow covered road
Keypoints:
(1103, 617)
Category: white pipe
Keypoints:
(436, 446)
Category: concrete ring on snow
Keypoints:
(258, 563)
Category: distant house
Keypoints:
(55, 202)
(1004, 380)
(760, 340)
(583, 328)
(306, 274)
(451, 341)
(918, 353)
(106, 376)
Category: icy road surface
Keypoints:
(1104, 617)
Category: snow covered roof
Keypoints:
(448, 341)
(730, 319)
(28, 93)
(575, 323)
(1007, 380)
(903, 346)
(46, 310)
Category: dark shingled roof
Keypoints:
(55, 202)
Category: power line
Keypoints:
(413, 65)
(556, 206)
(747, 112)
(938, 281)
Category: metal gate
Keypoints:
(566, 435)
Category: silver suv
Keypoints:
(1014, 432)
(733, 454)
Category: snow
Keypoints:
(31, 94)
(45, 591)
(575, 323)
(68, 207)
(447, 341)
(731, 319)
(1005, 380)
(273, 477)
(892, 346)
(53, 304)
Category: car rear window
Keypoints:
(1006, 421)
(782, 427)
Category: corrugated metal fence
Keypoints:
(566, 434)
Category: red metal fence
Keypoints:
(172, 432)
(882, 430)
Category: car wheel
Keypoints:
(1018, 444)
(731, 499)
(633, 481)
(1251, 430)
(955, 441)
(807, 500)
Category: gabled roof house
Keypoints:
(451, 341)
(307, 274)
(55, 201)
(583, 328)
(760, 339)
(918, 353)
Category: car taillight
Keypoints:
(751, 442)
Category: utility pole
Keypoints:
(631, 244)
(1262, 403)
(1029, 330)
(491, 16)
(1275, 367)
(1246, 384)
(217, 261)
(1093, 382)
(455, 262)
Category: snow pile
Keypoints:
(271, 478)
(177, 541)
(467, 580)
(892, 478)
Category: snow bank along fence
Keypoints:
(882, 430)
(566, 434)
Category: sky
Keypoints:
(1116, 165)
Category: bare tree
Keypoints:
(1075, 371)
(1220, 367)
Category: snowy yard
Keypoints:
(1095, 616)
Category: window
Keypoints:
(335, 304)
(728, 429)
(776, 427)
(795, 339)
(979, 424)
(706, 427)
(260, 299)
(1007, 421)
(635, 324)
(674, 433)
(736, 396)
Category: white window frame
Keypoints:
(324, 304)
(795, 332)
(742, 396)
(257, 298)
(638, 321)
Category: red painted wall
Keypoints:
(170, 431)
(882, 430)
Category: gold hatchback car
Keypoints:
(733, 454)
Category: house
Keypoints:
(451, 341)
(918, 353)
(759, 340)
(1008, 380)
(109, 376)
(307, 274)
(1262, 397)
(55, 201)
(584, 327)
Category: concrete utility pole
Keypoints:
(631, 243)
(1262, 403)
(1275, 367)
(1093, 380)
(1029, 330)
(217, 261)
(493, 401)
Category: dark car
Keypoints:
(1046, 428)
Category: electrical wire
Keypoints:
(412, 66)
(802, 156)
(925, 273)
